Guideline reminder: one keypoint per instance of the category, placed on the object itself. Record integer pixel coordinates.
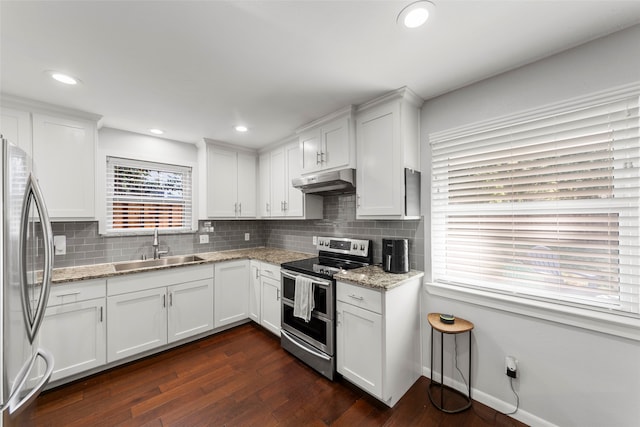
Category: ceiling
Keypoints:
(198, 68)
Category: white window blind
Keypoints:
(142, 195)
(543, 207)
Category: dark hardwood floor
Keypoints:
(240, 377)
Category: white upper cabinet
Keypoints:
(63, 146)
(280, 199)
(328, 143)
(388, 145)
(229, 178)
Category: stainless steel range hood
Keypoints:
(327, 183)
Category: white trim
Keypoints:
(610, 324)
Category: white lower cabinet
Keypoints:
(255, 292)
(74, 327)
(264, 296)
(378, 338)
(231, 292)
(137, 322)
(271, 305)
(149, 310)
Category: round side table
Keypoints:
(458, 327)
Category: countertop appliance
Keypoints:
(26, 265)
(313, 342)
(395, 255)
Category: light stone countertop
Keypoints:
(375, 277)
(372, 276)
(97, 271)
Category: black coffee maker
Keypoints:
(395, 255)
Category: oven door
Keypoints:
(322, 293)
(318, 331)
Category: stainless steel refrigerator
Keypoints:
(26, 265)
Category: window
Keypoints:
(143, 195)
(543, 206)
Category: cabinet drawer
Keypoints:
(270, 270)
(366, 298)
(66, 293)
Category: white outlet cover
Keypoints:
(247, 236)
(204, 238)
(60, 245)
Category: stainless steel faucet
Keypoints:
(156, 245)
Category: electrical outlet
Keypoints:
(315, 240)
(204, 238)
(247, 236)
(511, 365)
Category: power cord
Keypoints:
(455, 359)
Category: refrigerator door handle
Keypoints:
(33, 322)
(16, 407)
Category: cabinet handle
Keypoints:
(164, 300)
(257, 273)
(318, 158)
(268, 208)
(101, 318)
(354, 296)
(277, 294)
(171, 299)
(322, 160)
(240, 209)
(357, 200)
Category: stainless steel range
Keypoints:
(313, 342)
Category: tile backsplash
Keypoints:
(85, 246)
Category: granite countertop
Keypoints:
(97, 271)
(375, 277)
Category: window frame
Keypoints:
(614, 323)
(189, 223)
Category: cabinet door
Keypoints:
(64, 155)
(222, 183)
(359, 347)
(379, 172)
(76, 336)
(15, 127)
(295, 197)
(190, 309)
(310, 147)
(231, 292)
(136, 322)
(246, 185)
(264, 184)
(335, 144)
(278, 182)
(254, 292)
(271, 318)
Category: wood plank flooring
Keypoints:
(240, 377)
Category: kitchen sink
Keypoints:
(173, 260)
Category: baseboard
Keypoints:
(492, 401)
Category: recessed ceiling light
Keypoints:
(156, 131)
(63, 78)
(241, 128)
(415, 14)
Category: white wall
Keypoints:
(129, 145)
(568, 376)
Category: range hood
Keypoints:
(327, 183)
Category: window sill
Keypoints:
(606, 323)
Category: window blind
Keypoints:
(142, 195)
(544, 206)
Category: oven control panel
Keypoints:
(343, 245)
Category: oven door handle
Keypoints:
(292, 276)
(293, 340)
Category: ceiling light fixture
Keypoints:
(156, 131)
(241, 128)
(63, 78)
(415, 14)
